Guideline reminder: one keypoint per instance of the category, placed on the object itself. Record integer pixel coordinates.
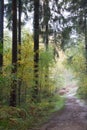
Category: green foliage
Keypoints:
(1, 49)
(25, 70)
(12, 118)
(82, 91)
(46, 58)
(47, 84)
(5, 81)
(76, 61)
(46, 63)
(30, 113)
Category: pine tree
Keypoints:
(78, 11)
(1, 31)
(19, 43)
(36, 48)
(14, 54)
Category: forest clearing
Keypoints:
(43, 65)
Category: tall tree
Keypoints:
(1, 31)
(25, 7)
(36, 46)
(19, 42)
(19, 21)
(14, 53)
(85, 23)
(78, 12)
(46, 20)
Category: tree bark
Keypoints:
(46, 23)
(19, 50)
(1, 31)
(36, 47)
(14, 54)
(86, 39)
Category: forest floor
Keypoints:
(74, 115)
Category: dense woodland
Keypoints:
(28, 81)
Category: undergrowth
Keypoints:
(30, 116)
(29, 113)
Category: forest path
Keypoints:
(74, 115)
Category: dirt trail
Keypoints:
(74, 116)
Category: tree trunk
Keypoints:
(19, 42)
(36, 47)
(19, 22)
(46, 20)
(86, 40)
(1, 31)
(47, 34)
(14, 54)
